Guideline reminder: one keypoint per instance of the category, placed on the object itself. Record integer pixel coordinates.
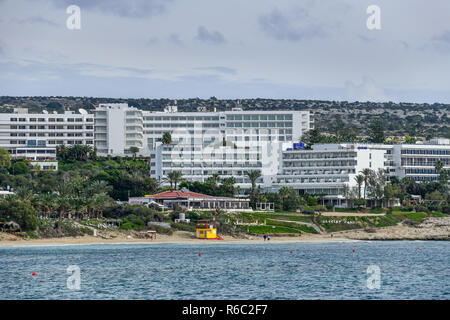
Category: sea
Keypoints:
(294, 271)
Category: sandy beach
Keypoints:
(429, 229)
(176, 237)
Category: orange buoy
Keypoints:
(34, 274)
(292, 251)
(200, 254)
(353, 250)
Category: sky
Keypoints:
(283, 49)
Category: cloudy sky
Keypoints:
(306, 49)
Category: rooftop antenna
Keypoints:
(82, 111)
(44, 111)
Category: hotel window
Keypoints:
(13, 119)
(33, 119)
(51, 120)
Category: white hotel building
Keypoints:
(327, 168)
(228, 143)
(203, 143)
(35, 136)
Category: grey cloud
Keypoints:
(36, 20)
(220, 69)
(213, 37)
(152, 40)
(278, 26)
(444, 37)
(175, 39)
(129, 8)
(367, 90)
(365, 39)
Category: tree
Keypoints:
(5, 159)
(376, 132)
(173, 178)
(134, 151)
(166, 138)
(20, 211)
(253, 175)
(20, 167)
(359, 181)
(366, 174)
(377, 182)
(443, 174)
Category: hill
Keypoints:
(399, 119)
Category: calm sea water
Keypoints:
(408, 270)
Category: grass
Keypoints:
(261, 216)
(438, 214)
(277, 223)
(411, 215)
(271, 229)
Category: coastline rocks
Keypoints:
(428, 229)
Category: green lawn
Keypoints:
(271, 229)
(411, 215)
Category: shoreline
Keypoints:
(432, 229)
(174, 239)
(177, 239)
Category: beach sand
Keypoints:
(176, 237)
(429, 229)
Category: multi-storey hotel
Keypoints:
(35, 136)
(228, 143)
(328, 168)
(118, 127)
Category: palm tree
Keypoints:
(214, 180)
(134, 151)
(359, 181)
(253, 175)
(366, 173)
(166, 138)
(99, 201)
(438, 165)
(173, 178)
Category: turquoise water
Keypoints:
(408, 270)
